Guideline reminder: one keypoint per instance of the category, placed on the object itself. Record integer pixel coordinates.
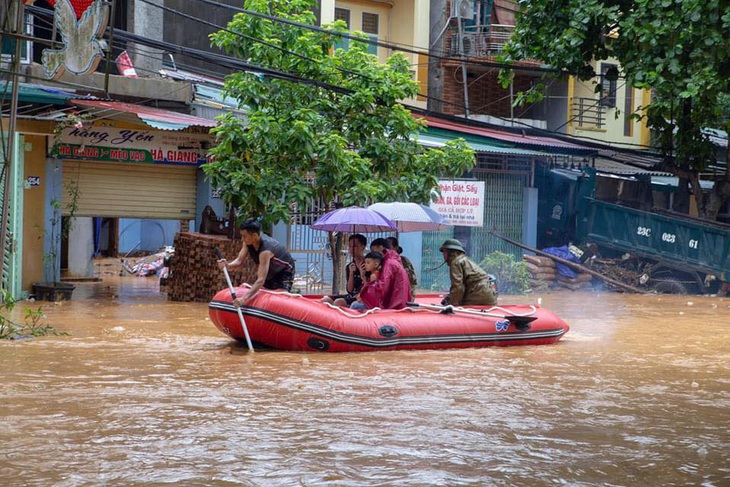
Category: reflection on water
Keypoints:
(146, 392)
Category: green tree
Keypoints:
(322, 124)
(677, 48)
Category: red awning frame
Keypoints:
(154, 117)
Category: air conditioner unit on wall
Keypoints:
(471, 44)
(463, 9)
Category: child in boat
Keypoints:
(367, 299)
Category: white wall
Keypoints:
(81, 248)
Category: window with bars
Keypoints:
(370, 23)
(609, 84)
(344, 15)
(26, 47)
(370, 26)
(628, 111)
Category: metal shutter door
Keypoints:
(131, 190)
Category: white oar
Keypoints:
(520, 322)
(233, 296)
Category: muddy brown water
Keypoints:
(147, 392)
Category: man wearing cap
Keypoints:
(469, 282)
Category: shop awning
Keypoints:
(531, 142)
(154, 117)
(439, 138)
(32, 93)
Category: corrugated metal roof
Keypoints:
(433, 140)
(210, 102)
(211, 110)
(154, 117)
(614, 167)
(215, 95)
(546, 144)
(33, 93)
(642, 159)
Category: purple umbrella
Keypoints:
(353, 219)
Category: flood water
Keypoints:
(147, 392)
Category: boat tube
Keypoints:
(285, 321)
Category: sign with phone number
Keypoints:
(461, 203)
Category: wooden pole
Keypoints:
(573, 265)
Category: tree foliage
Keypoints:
(680, 49)
(512, 276)
(330, 129)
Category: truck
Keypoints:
(671, 252)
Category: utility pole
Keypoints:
(464, 78)
(19, 9)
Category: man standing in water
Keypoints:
(275, 263)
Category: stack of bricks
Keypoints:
(194, 273)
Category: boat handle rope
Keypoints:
(419, 307)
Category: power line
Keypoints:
(252, 39)
(317, 29)
(236, 64)
(387, 45)
(122, 37)
(221, 60)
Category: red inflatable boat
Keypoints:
(294, 322)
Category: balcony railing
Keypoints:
(588, 113)
(482, 40)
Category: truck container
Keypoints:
(674, 252)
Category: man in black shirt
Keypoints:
(275, 263)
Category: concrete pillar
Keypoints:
(438, 19)
(327, 12)
(81, 247)
(529, 218)
(148, 21)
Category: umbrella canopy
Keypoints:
(411, 217)
(354, 219)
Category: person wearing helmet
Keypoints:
(469, 283)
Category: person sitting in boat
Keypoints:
(469, 283)
(355, 272)
(407, 265)
(369, 298)
(275, 263)
(393, 285)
